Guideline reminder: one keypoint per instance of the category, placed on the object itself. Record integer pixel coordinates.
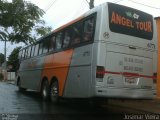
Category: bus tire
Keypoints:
(19, 86)
(45, 90)
(54, 92)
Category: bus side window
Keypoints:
(45, 45)
(20, 54)
(67, 38)
(88, 29)
(29, 52)
(32, 53)
(23, 54)
(36, 50)
(26, 53)
(52, 43)
(76, 33)
(40, 48)
(59, 40)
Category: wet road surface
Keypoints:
(29, 106)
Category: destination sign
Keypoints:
(130, 21)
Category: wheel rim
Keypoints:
(54, 92)
(44, 91)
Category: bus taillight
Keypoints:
(100, 72)
(155, 78)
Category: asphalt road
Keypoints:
(28, 105)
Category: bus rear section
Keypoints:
(128, 67)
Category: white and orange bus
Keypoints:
(109, 52)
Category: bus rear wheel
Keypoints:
(45, 90)
(54, 92)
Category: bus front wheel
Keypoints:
(45, 90)
(54, 92)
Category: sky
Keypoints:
(59, 12)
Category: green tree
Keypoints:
(1, 58)
(13, 59)
(20, 21)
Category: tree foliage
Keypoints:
(13, 59)
(21, 21)
(2, 57)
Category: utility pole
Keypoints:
(91, 4)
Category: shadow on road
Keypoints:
(70, 109)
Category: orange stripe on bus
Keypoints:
(57, 65)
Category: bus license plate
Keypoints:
(131, 81)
